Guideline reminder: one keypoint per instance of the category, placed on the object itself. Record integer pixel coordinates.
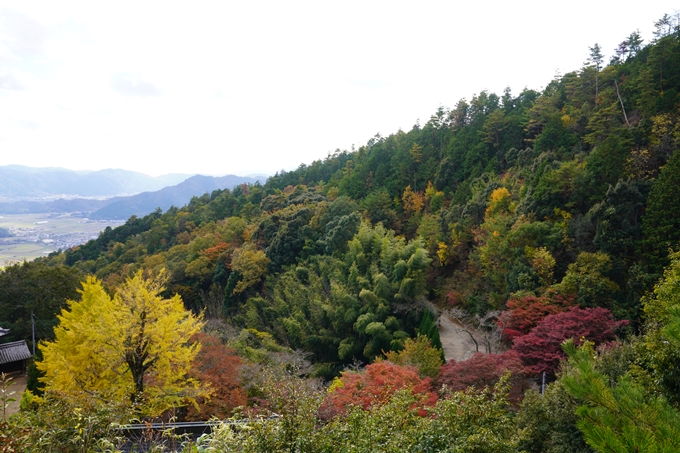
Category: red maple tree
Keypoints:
(219, 367)
(541, 349)
(373, 386)
(524, 314)
(484, 370)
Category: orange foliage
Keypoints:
(220, 368)
(374, 386)
(413, 201)
(213, 253)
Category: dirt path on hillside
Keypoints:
(18, 386)
(456, 343)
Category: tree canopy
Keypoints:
(135, 346)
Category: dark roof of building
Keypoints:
(13, 352)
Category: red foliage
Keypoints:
(541, 349)
(374, 386)
(484, 370)
(220, 367)
(454, 298)
(524, 314)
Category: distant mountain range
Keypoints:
(179, 195)
(21, 183)
(30, 185)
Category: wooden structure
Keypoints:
(13, 356)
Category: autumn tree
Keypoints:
(413, 202)
(134, 346)
(251, 265)
(418, 353)
(373, 386)
(484, 370)
(525, 313)
(541, 349)
(220, 367)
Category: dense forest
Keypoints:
(538, 218)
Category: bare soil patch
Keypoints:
(18, 386)
(456, 343)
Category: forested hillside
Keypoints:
(502, 196)
(536, 216)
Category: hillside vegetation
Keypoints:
(568, 191)
(532, 217)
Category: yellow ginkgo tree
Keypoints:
(135, 346)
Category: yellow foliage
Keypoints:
(336, 384)
(442, 253)
(413, 201)
(434, 197)
(638, 164)
(418, 353)
(498, 195)
(542, 262)
(154, 261)
(251, 264)
(430, 190)
(333, 193)
(500, 201)
(134, 346)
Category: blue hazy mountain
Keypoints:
(19, 182)
(35, 190)
(179, 195)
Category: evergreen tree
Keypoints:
(661, 222)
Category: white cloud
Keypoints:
(243, 87)
(22, 35)
(9, 81)
(132, 86)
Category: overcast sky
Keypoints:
(227, 87)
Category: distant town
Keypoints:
(35, 235)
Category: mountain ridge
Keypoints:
(178, 195)
(123, 207)
(19, 182)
